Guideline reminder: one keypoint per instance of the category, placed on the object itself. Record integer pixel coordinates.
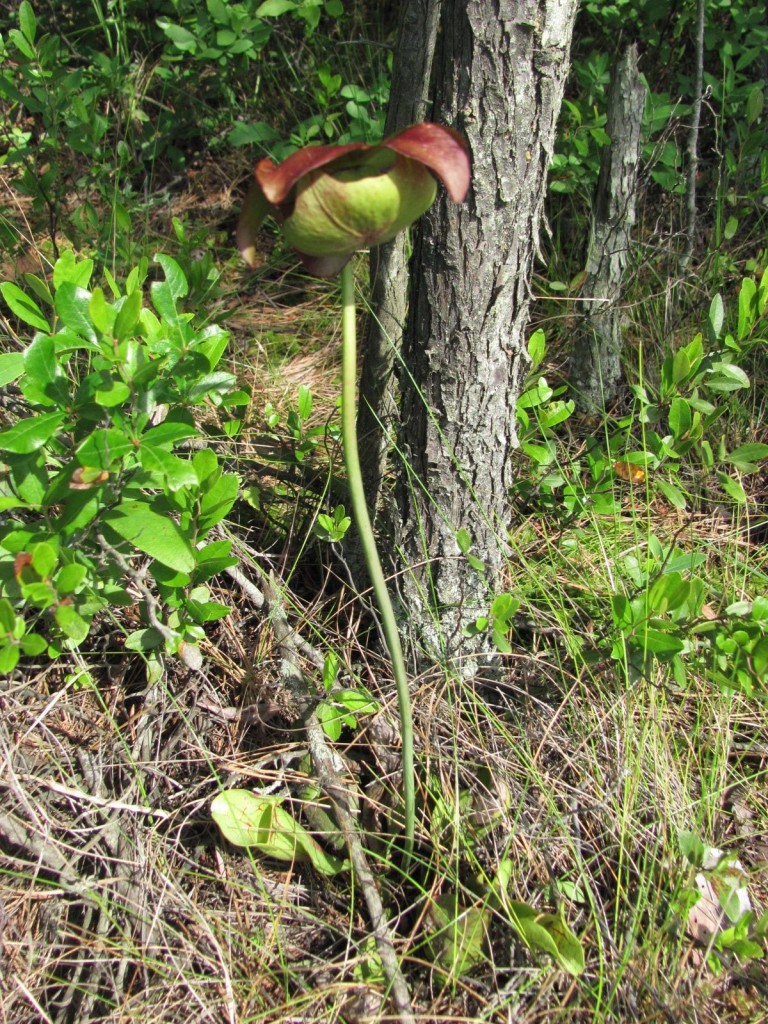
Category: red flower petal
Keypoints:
(440, 149)
(277, 181)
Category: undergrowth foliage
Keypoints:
(93, 485)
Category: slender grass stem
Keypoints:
(365, 529)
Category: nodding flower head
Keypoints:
(331, 201)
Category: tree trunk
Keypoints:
(596, 360)
(500, 71)
(417, 30)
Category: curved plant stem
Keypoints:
(365, 529)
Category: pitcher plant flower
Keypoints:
(331, 201)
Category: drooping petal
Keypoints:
(440, 149)
(255, 208)
(277, 180)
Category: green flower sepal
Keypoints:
(332, 201)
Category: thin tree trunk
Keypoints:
(693, 141)
(409, 104)
(500, 72)
(596, 360)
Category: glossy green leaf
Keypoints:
(23, 307)
(27, 20)
(72, 305)
(71, 623)
(30, 434)
(156, 535)
(731, 487)
(747, 456)
(11, 367)
(127, 318)
(747, 307)
(69, 270)
(173, 471)
(716, 317)
(671, 492)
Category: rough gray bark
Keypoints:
(500, 71)
(596, 360)
(409, 104)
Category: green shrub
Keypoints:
(110, 489)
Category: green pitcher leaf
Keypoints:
(548, 933)
(249, 820)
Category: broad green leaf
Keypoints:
(212, 343)
(746, 456)
(72, 305)
(504, 607)
(33, 645)
(249, 134)
(175, 472)
(27, 20)
(103, 448)
(727, 377)
(102, 314)
(332, 721)
(681, 366)
(127, 317)
(44, 559)
(464, 540)
(259, 822)
(40, 360)
(716, 317)
(181, 38)
(304, 404)
(7, 616)
(537, 345)
(25, 309)
(657, 641)
(154, 534)
(114, 392)
(671, 492)
(166, 435)
(30, 434)
(143, 640)
(731, 487)
(359, 702)
(747, 307)
(9, 658)
(70, 577)
(217, 501)
(274, 8)
(71, 624)
(680, 417)
(11, 367)
(68, 270)
(174, 276)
